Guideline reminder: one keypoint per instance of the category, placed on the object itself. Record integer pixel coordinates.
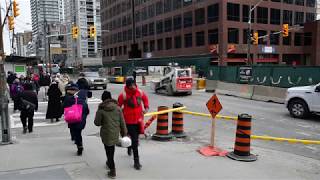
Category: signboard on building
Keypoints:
(245, 74)
(268, 49)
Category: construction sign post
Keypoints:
(214, 107)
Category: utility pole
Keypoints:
(250, 61)
(5, 121)
(133, 30)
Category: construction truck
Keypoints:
(175, 80)
(116, 75)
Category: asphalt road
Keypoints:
(268, 119)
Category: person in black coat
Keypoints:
(82, 82)
(72, 92)
(54, 110)
(28, 104)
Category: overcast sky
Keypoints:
(22, 22)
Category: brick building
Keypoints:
(216, 28)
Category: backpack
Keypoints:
(129, 102)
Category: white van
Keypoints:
(302, 101)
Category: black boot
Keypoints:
(112, 173)
(129, 151)
(24, 130)
(137, 164)
(80, 149)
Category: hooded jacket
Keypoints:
(109, 117)
(133, 115)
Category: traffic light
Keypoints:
(16, 10)
(75, 32)
(11, 22)
(255, 38)
(92, 31)
(285, 30)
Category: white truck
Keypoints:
(302, 101)
(175, 80)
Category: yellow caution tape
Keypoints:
(165, 111)
(209, 115)
(269, 138)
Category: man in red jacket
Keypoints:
(131, 100)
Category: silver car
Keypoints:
(95, 80)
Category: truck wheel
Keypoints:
(170, 90)
(298, 108)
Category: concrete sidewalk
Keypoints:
(43, 156)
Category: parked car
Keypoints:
(95, 80)
(302, 101)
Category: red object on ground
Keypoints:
(212, 151)
(148, 123)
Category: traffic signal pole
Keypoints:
(4, 112)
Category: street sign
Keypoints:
(214, 106)
(245, 74)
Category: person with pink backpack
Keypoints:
(73, 100)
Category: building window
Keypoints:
(168, 25)
(159, 8)
(138, 32)
(145, 46)
(262, 40)
(125, 36)
(151, 10)
(160, 44)
(233, 12)
(311, 3)
(262, 16)
(120, 51)
(287, 17)
(176, 4)
(274, 38)
(159, 27)
(168, 43)
(233, 35)
(108, 52)
(275, 16)
(213, 36)
(298, 18)
(310, 17)
(188, 40)
(177, 21)
(145, 30)
(213, 13)
(200, 38)
(246, 36)
(287, 40)
(199, 16)
(167, 6)
(111, 51)
(125, 50)
(288, 1)
(151, 29)
(187, 2)
(115, 51)
(307, 39)
(177, 42)
(130, 34)
(152, 45)
(187, 19)
(299, 2)
(245, 14)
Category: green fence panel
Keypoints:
(261, 75)
(213, 73)
(229, 74)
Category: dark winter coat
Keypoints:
(54, 104)
(83, 84)
(11, 78)
(109, 117)
(29, 96)
(69, 100)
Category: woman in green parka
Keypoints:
(109, 117)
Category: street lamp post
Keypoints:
(250, 61)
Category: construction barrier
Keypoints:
(162, 133)
(164, 111)
(201, 84)
(148, 123)
(209, 115)
(269, 138)
(177, 122)
(241, 150)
